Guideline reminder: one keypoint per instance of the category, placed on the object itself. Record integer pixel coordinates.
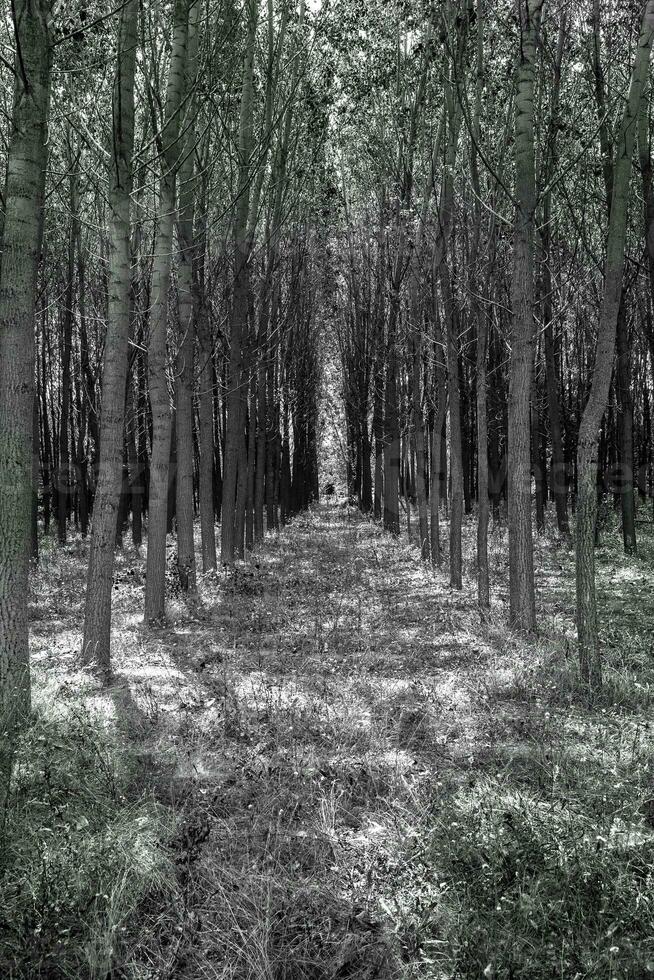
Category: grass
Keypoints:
(330, 768)
(82, 851)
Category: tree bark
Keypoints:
(21, 249)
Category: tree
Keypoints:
(237, 393)
(521, 559)
(97, 617)
(587, 446)
(21, 251)
(168, 141)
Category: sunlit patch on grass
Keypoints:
(359, 765)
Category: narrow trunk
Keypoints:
(522, 603)
(186, 321)
(625, 423)
(235, 429)
(157, 350)
(587, 627)
(97, 616)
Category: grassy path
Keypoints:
(368, 781)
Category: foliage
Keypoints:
(81, 851)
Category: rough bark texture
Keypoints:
(24, 194)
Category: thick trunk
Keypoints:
(24, 194)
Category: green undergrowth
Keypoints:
(83, 852)
(511, 883)
(537, 861)
(366, 781)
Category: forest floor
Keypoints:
(331, 768)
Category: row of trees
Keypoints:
(193, 187)
(159, 294)
(496, 276)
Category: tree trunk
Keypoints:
(206, 439)
(456, 460)
(97, 616)
(521, 558)
(21, 249)
(587, 628)
(625, 433)
(236, 398)
(157, 350)
(63, 473)
(186, 320)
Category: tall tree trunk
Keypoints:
(236, 397)
(157, 350)
(521, 558)
(21, 249)
(186, 320)
(63, 473)
(587, 446)
(97, 616)
(391, 426)
(456, 458)
(206, 439)
(440, 411)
